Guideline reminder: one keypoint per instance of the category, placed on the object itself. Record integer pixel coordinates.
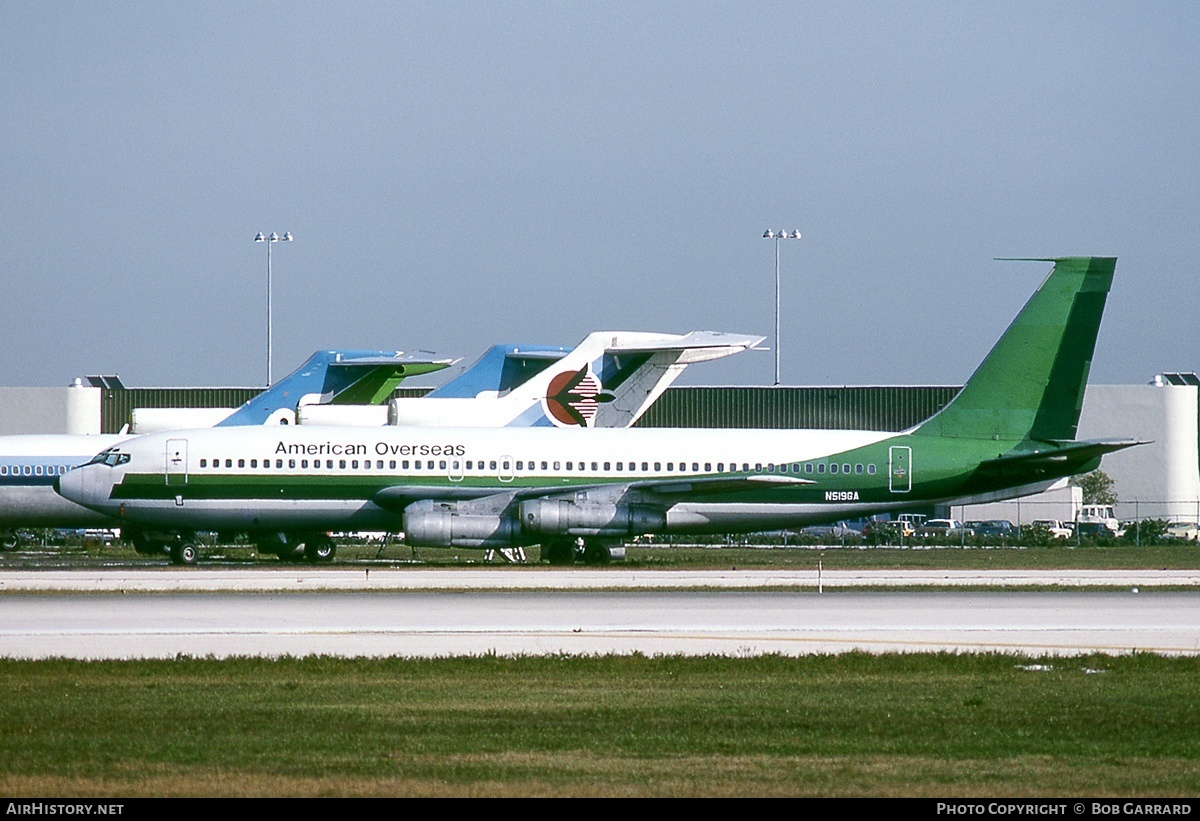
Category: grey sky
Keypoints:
(458, 174)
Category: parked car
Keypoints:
(941, 528)
(836, 531)
(886, 531)
(1096, 530)
(1056, 528)
(993, 528)
(1185, 531)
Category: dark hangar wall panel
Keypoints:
(116, 405)
(855, 408)
(891, 408)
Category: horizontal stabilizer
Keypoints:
(501, 368)
(697, 346)
(349, 377)
(370, 379)
(1054, 456)
(410, 364)
(536, 356)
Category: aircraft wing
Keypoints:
(399, 497)
(718, 484)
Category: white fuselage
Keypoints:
(356, 478)
(29, 464)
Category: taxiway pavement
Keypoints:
(529, 622)
(350, 578)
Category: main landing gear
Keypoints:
(184, 552)
(290, 547)
(181, 547)
(512, 555)
(319, 548)
(589, 551)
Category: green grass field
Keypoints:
(1176, 556)
(913, 725)
(945, 558)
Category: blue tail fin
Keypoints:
(339, 377)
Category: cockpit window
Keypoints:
(109, 457)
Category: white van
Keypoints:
(1098, 515)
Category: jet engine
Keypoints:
(443, 524)
(567, 517)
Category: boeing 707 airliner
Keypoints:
(581, 492)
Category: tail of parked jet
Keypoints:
(501, 369)
(608, 380)
(334, 377)
(328, 377)
(1027, 394)
(1031, 384)
(359, 378)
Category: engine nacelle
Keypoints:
(345, 415)
(160, 420)
(563, 517)
(440, 524)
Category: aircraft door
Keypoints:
(899, 469)
(454, 470)
(506, 472)
(176, 462)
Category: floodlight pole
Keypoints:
(270, 240)
(777, 236)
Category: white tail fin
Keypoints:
(608, 380)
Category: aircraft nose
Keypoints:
(70, 485)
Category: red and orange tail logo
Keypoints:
(573, 397)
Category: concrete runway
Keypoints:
(730, 622)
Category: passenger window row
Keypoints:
(34, 470)
(317, 464)
(491, 466)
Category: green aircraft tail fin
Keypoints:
(1031, 384)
